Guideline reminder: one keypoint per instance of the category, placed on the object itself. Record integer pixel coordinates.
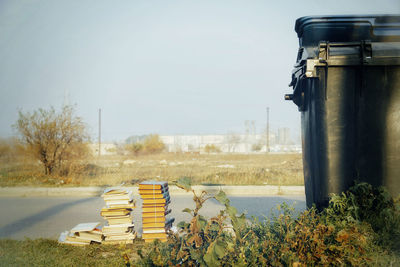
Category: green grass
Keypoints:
(46, 252)
(229, 169)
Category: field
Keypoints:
(229, 169)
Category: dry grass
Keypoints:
(229, 169)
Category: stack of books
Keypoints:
(155, 196)
(119, 205)
(82, 234)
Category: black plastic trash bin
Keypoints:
(347, 86)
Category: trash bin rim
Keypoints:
(379, 19)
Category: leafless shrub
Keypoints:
(57, 139)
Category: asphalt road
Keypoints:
(47, 217)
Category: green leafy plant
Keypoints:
(347, 233)
(365, 204)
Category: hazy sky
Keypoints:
(167, 67)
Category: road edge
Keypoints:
(95, 191)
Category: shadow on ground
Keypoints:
(29, 221)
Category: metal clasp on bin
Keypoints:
(310, 67)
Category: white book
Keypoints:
(85, 227)
(121, 237)
(117, 230)
(129, 233)
(151, 231)
(114, 242)
(118, 225)
(115, 191)
(63, 239)
(128, 196)
(116, 202)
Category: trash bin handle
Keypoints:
(298, 96)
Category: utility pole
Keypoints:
(267, 130)
(99, 132)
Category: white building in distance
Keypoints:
(226, 143)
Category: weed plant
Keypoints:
(358, 228)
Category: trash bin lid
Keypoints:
(376, 28)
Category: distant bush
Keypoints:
(212, 149)
(256, 147)
(135, 148)
(152, 144)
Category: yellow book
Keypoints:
(117, 228)
(154, 225)
(154, 235)
(95, 235)
(153, 185)
(69, 238)
(153, 220)
(154, 205)
(122, 236)
(155, 214)
(152, 239)
(155, 201)
(153, 194)
(153, 209)
(114, 211)
(158, 225)
(114, 221)
(74, 238)
(164, 225)
(130, 206)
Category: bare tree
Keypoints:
(55, 139)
